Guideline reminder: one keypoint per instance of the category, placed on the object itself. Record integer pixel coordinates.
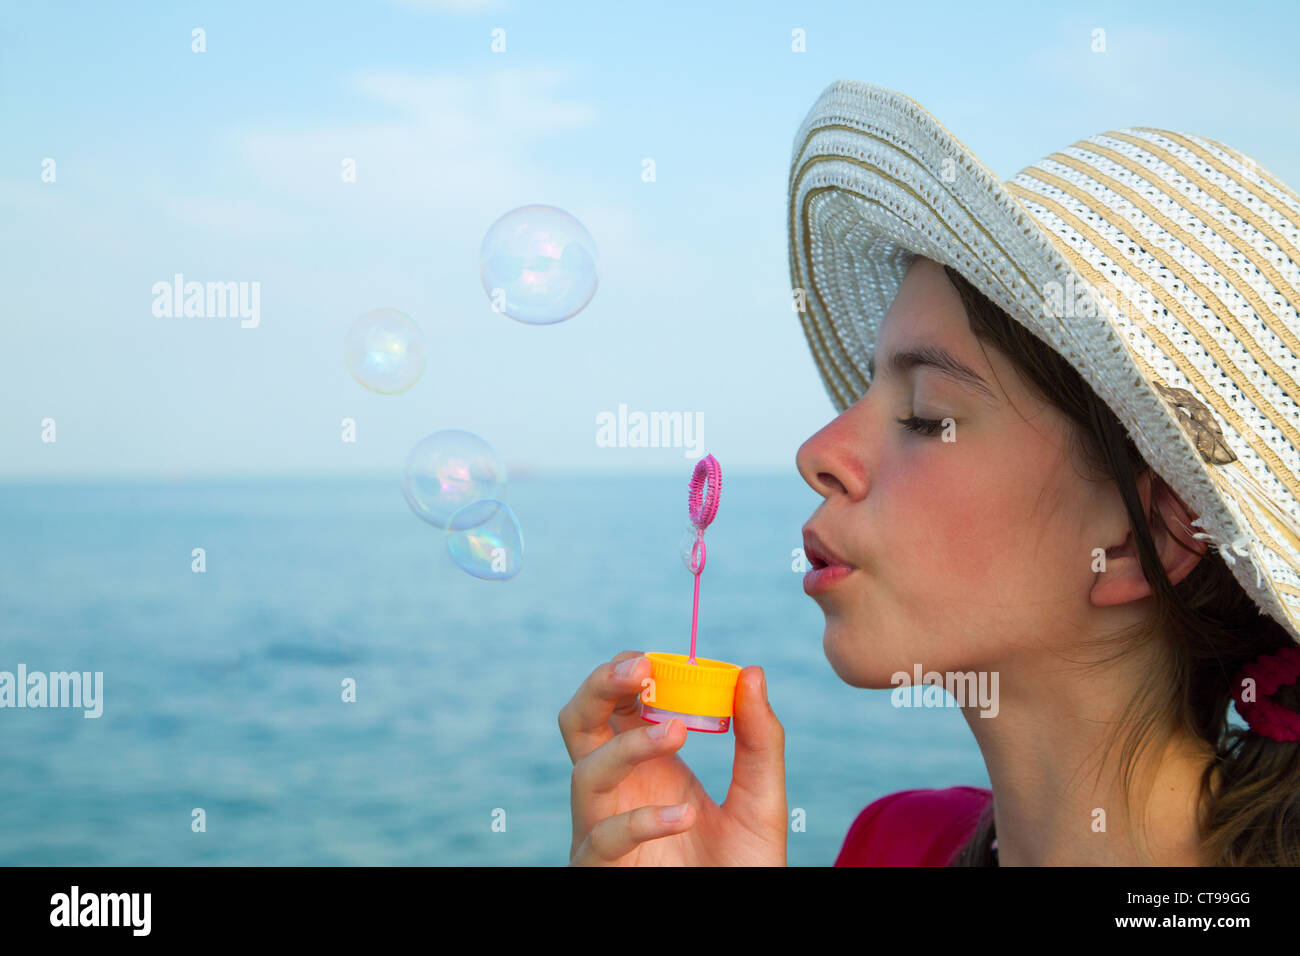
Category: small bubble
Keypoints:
(691, 548)
(384, 351)
(449, 472)
(484, 540)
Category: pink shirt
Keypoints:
(914, 827)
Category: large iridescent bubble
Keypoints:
(484, 540)
(385, 351)
(538, 265)
(453, 472)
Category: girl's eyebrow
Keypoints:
(937, 358)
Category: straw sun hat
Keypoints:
(1165, 267)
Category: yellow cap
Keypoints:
(706, 688)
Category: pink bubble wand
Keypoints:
(703, 508)
(701, 693)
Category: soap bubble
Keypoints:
(691, 556)
(488, 544)
(450, 471)
(543, 260)
(385, 351)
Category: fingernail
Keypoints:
(624, 670)
(765, 687)
(672, 814)
(658, 730)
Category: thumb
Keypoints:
(757, 790)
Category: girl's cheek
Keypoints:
(958, 523)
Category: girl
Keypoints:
(1068, 454)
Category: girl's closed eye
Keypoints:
(924, 426)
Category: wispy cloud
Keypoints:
(452, 143)
(456, 6)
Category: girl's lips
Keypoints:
(820, 579)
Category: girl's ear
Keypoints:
(1122, 580)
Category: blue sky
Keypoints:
(225, 166)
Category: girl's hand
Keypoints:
(624, 776)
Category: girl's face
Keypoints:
(964, 550)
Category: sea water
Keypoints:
(223, 688)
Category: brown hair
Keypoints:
(1203, 629)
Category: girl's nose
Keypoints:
(831, 461)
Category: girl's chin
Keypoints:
(848, 666)
(855, 663)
